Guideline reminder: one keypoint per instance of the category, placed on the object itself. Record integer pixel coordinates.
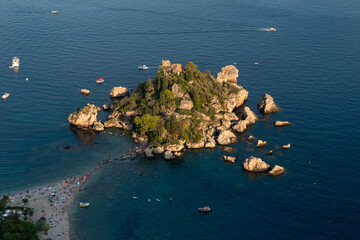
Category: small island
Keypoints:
(180, 108)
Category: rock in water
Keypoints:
(277, 170)
(260, 143)
(287, 146)
(159, 150)
(226, 137)
(282, 123)
(235, 99)
(84, 117)
(254, 164)
(249, 116)
(251, 137)
(118, 92)
(228, 74)
(229, 159)
(267, 104)
(240, 126)
(168, 155)
(149, 152)
(98, 126)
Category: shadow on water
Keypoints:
(255, 175)
(85, 136)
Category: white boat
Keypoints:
(84, 204)
(272, 29)
(5, 96)
(54, 12)
(136, 198)
(15, 62)
(144, 67)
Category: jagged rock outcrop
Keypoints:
(117, 92)
(200, 144)
(240, 126)
(98, 126)
(228, 74)
(249, 116)
(159, 150)
(235, 99)
(175, 147)
(282, 123)
(116, 123)
(210, 142)
(85, 117)
(254, 164)
(186, 103)
(176, 90)
(260, 143)
(230, 116)
(276, 171)
(267, 104)
(168, 155)
(229, 159)
(226, 137)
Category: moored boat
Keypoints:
(54, 12)
(84, 204)
(5, 96)
(100, 80)
(204, 209)
(15, 62)
(144, 67)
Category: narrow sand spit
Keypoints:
(54, 201)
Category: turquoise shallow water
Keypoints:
(310, 66)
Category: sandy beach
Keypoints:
(53, 201)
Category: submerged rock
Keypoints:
(254, 164)
(277, 170)
(267, 104)
(228, 149)
(250, 138)
(282, 123)
(118, 92)
(229, 159)
(85, 117)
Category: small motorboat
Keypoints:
(256, 63)
(149, 200)
(143, 67)
(204, 209)
(135, 198)
(100, 80)
(272, 29)
(15, 62)
(5, 96)
(158, 200)
(84, 204)
(54, 12)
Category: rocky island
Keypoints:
(181, 108)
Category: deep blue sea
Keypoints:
(310, 66)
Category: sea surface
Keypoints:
(310, 65)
